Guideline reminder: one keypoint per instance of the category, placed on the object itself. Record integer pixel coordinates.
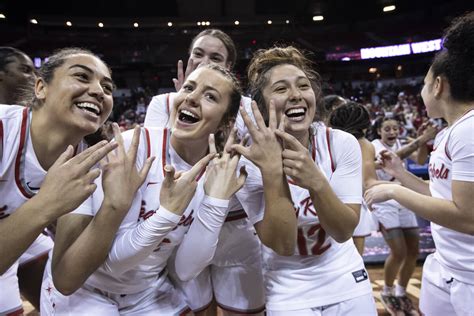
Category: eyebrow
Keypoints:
(91, 71)
(206, 87)
(284, 80)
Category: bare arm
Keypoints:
(456, 214)
(68, 176)
(278, 228)
(76, 259)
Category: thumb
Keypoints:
(169, 176)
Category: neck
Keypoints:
(454, 110)
(49, 140)
(190, 151)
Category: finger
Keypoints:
(248, 121)
(87, 152)
(241, 150)
(92, 175)
(169, 176)
(178, 175)
(132, 151)
(290, 163)
(145, 169)
(118, 138)
(272, 120)
(281, 126)
(190, 68)
(212, 145)
(95, 156)
(230, 141)
(290, 141)
(199, 166)
(177, 86)
(242, 177)
(65, 156)
(290, 154)
(180, 71)
(258, 116)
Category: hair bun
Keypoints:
(459, 37)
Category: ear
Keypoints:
(41, 89)
(438, 86)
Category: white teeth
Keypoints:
(296, 111)
(189, 114)
(87, 105)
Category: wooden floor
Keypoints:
(376, 275)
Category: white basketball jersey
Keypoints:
(453, 159)
(153, 142)
(322, 271)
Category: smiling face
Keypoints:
(293, 95)
(201, 104)
(79, 96)
(17, 74)
(209, 49)
(389, 132)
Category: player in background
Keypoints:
(398, 224)
(45, 170)
(237, 259)
(448, 93)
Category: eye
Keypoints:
(197, 54)
(280, 89)
(187, 87)
(216, 59)
(305, 86)
(108, 88)
(82, 76)
(210, 96)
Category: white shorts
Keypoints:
(361, 306)
(10, 300)
(235, 275)
(443, 295)
(39, 248)
(390, 217)
(160, 298)
(366, 223)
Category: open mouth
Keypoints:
(391, 139)
(188, 117)
(296, 114)
(89, 107)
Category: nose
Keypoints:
(205, 60)
(295, 94)
(97, 91)
(191, 98)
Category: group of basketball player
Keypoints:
(248, 203)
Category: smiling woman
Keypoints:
(42, 147)
(124, 270)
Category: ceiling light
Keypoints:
(100, 24)
(269, 22)
(33, 21)
(236, 22)
(389, 8)
(199, 23)
(135, 24)
(68, 23)
(2, 16)
(170, 24)
(372, 70)
(208, 23)
(318, 18)
(287, 21)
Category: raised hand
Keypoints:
(265, 150)
(379, 193)
(221, 179)
(428, 131)
(178, 190)
(120, 178)
(178, 83)
(70, 180)
(297, 161)
(391, 163)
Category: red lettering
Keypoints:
(313, 241)
(438, 173)
(307, 204)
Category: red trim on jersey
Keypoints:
(168, 103)
(200, 309)
(16, 313)
(19, 155)
(147, 136)
(1, 139)
(164, 148)
(235, 215)
(200, 174)
(333, 167)
(241, 311)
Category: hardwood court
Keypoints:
(376, 276)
